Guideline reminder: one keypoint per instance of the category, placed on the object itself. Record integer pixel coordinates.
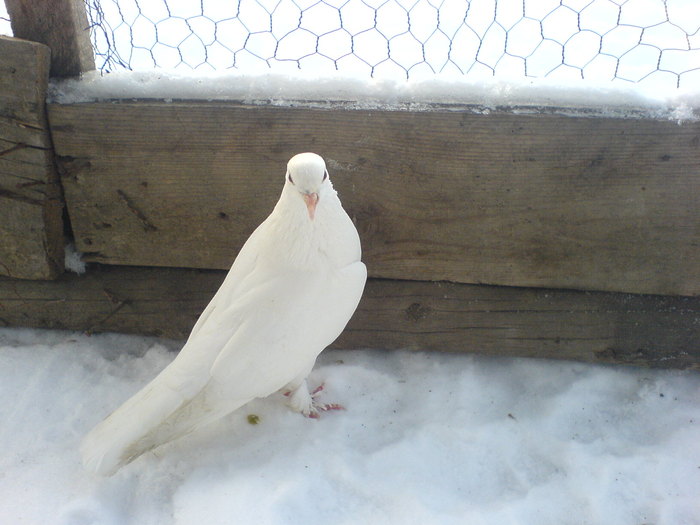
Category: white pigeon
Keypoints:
(290, 292)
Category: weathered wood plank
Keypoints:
(164, 302)
(589, 326)
(60, 24)
(524, 200)
(31, 222)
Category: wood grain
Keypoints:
(31, 224)
(524, 200)
(587, 326)
(61, 25)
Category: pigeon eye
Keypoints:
(289, 178)
(325, 176)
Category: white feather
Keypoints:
(290, 292)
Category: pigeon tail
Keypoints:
(106, 448)
(154, 416)
(125, 433)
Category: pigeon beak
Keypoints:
(311, 199)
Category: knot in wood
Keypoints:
(417, 311)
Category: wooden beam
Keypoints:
(595, 327)
(520, 200)
(31, 223)
(60, 24)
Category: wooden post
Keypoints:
(60, 24)
(31, 223)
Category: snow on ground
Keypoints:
(425, 439)
(347, 92)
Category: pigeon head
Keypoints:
(307, 174)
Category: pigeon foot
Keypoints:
(301, 400)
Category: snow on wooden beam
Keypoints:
(31, 224)
(646, 330)
(541, 200)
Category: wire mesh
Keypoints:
(649, 41)
(5, 28)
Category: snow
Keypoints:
(73, 260)
(426, 438)
(348, 92)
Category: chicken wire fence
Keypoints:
(630, 40)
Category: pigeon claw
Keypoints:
(316, 409)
